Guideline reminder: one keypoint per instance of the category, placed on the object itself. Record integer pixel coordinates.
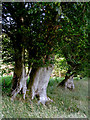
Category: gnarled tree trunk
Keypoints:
(21, 85)
(68, 82)
(39, 78)
(20, 78)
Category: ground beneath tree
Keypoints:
(66, 103)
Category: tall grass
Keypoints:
(67, 104)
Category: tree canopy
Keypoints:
(45, 29)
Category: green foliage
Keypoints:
(74, 36)
(29, 27)
(42, 31)
(8, 51)
(6, 81)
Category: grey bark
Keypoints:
(22, 84)
(69, 83)
(21, 80)
(39, 82)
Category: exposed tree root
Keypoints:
(22, 81)
(22, 85)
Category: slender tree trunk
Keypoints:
(39, 78)
(34, 75)
(68, 82)
(59, 73)
(17, 73)
(65, 80)
(20, 78)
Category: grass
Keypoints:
(67, 104)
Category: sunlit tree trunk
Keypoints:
(59, 73)
(68, 82)
(39, 78)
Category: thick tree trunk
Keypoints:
(39, 79)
